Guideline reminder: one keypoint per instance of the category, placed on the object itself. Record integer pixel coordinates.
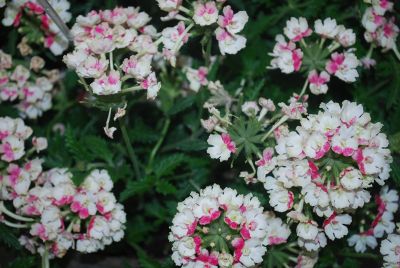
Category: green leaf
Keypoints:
(135, 187)
(181, 105)
(23, 262)
(164, 187)
(191, 145)
(8, 237)
(168, 164)
(75, 147)
(98, 147)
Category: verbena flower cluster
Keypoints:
(30, 87)
(327, 164)
(387, 203)
(101, 34)
(220, 228)
(315, 58)
(23, 13)
(56, 214)
(85, 218)
(209, 16)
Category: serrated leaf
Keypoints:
(98, 147)
(167, 165)
(135, 187)
(164, 187)
(75, 148)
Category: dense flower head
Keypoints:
(52, 38)
(328, 164)
(29, 87)
(315, 58)
(61, 215)
(221, 228)
(99, 34)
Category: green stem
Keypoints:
(194, 184)
(304, 89)
(322, 42)
(371, 48)
(131, 152)
(207, 53)
(131, 89)
(184, 10)
(13, 215)
(45, 259)
(15, 225)
(85, 85)
(159, 142)
(277, 124)
(111, 61)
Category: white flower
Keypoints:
(371, 20)
(250, 108)
(361, 241)
(174, 37)
(75, 58)
(390, 249)
(335, 226)
(197, 78)
(346, 37)
(318, 83)
(277, 231)
(327, 29)
(229, 43)
(139, 68)
(390, 198)
(307, 230)
(343, 66)
(169, 5)
(384, 225)
(316, 194)
(296, 29)
(252, 253)
(221, 146)
(136, 19)
(205, 13)
(234, 23)
(315, 244)
(39, 144)
(351, 178)
(152, 86)
(107, 84)
(12, 148)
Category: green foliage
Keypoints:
(180, 164)
(8, 237)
